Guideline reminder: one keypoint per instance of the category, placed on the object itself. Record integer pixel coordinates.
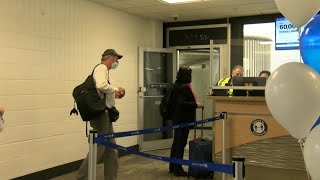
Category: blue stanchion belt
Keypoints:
(153, 130)
(101, 139)
(195, 164)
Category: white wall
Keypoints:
(47, 48)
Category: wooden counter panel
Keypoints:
(248, 107)
(239, 130)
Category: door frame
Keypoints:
(224, 72)
(224, 64)
(155, 144)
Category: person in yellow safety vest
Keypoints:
(236, 71)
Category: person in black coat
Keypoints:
(184, 111)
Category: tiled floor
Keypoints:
(133, 167)
(139, 168)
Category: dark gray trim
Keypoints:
(195, 23)
(236, 44)
(236, 31)
(62, 169)
(190, 37)
(256, 19)
(188, 23)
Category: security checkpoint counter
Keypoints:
(250, 131)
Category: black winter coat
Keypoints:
(184, 104)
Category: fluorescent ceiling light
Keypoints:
(180, 1)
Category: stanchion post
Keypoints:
(239, 168)
(92, 165)
(202, 116)
(224, 142)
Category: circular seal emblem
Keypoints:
(259, 127)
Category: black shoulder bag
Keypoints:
(89, 103)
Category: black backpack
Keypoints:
(89, 103)
(166, 105)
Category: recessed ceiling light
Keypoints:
(180, 1)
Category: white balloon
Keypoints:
(311, 153)
(298, 12)
(293, 97)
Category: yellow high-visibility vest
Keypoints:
(223, 82)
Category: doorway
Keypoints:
(157, 69)
(199, 61)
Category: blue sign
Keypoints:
(287, 35)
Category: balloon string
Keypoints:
(301, 142)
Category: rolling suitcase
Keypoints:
(200, 149)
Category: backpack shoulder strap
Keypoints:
(94, 69)
(87, 129)
(93, 80)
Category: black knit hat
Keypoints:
(184, 74)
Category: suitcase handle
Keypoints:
(202, 115)
(195, 125)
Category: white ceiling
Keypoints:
(209, 9)
(189, 58)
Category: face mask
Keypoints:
(114, 65)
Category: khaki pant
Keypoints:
(106, 155)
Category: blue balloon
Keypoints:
(316, 124)
(310, 44)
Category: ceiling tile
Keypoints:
(269, 11)
(161, 9)
(144, 3)
(218, 3)
(137, 10)
(120, 4)
(255, 6)
(209, 9)
(103, 1)
(246, 13)
(189, 6)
